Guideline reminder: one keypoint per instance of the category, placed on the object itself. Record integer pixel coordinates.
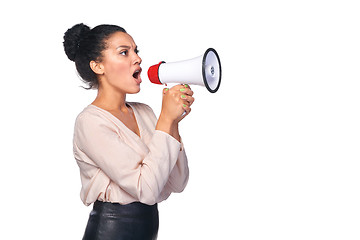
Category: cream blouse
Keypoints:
(116, 165)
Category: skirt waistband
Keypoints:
(131, 209)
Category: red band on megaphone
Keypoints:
(153, 73)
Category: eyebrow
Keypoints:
(125, 46)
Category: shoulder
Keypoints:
(90, 112)
(92, 116)
(91, 125)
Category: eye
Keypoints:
(137, 51)
(124, 52)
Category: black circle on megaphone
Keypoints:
(203, 70)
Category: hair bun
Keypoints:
(72, 38)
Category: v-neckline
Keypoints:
(118, 120)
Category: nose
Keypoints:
(137, 59)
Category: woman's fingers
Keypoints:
(186, 90)
(187, 100)
(183, 95)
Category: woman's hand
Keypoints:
(177, 102)
(175, 106)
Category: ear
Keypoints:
(97, 67)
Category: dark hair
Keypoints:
(83, 45)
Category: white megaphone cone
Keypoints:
(204, 70)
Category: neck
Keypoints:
(110, 99)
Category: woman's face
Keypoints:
(121, 64)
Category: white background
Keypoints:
(273, 155)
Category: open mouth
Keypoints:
(137, 74)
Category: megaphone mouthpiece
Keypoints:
(153, 73)
(204, 70)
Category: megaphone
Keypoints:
(204, 70)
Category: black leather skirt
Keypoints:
(134, 221)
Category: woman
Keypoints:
(129, 161)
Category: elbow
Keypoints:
(178, 187)
(181, 188)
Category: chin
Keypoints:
(134, 91)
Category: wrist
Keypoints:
(163, 118)
(169, 126)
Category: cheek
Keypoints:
(119, 70)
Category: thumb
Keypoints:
(165, 90)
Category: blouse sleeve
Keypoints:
(180, 174)
(143, 177)
(178, 178)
